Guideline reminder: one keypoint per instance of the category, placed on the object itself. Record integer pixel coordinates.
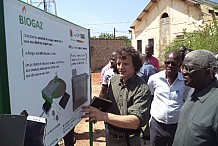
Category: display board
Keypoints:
(48, 67)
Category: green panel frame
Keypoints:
(4, 86)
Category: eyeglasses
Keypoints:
(189, 70)
(172, 63)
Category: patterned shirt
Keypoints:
(131, 98)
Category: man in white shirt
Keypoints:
(108, 66)
(169, 93)
(107, 77)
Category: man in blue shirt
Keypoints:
(147, 69)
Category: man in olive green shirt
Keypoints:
(198, 120)
(129, 95)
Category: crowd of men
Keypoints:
(179, 103)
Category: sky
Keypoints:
(100, 16)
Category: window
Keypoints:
(164, 15)
(151, 42)
(139, 46)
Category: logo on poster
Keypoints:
(29, 21)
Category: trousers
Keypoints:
(162, 134)
(116, 141)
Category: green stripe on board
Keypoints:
(4, 86)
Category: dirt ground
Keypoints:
(82, 128)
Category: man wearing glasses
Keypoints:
(169, 93)
(198, 121)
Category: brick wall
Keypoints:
(101, 49)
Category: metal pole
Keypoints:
(91, 133)
(114, 33)
(55, 7)
(29, 2)
(45, 6)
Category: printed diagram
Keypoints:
(79, 89)
(56, 88)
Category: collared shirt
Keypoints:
(107, 76)
(131, 98)
(154, 61)
(198, 121)
(168, 99)
(104, 69)
(146, 71)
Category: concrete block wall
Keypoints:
(101, 49)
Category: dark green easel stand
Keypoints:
(91, 133)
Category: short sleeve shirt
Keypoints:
(198, 121)
(146, 71)
(168, 99)
(107, 76)
(131, 98)
(104, 69)
(154, 61)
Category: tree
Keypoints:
(106, 36)
(127, 41)
(203, 38)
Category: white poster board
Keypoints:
(48, 67)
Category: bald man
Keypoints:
(198, 121)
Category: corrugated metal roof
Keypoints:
(206, 2)
(201, 2)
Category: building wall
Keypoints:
(101, 49)
(182, 15)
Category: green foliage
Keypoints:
(126, 40)
(215, 7)
(122, 37)
(94, 37)
(203, 38)
(106, 36)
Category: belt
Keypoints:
(117, 136)
(164, 124)
(122, 131)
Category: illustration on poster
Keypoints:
(56, 88)
(77, 36)
(41, 59)
(79, 88)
